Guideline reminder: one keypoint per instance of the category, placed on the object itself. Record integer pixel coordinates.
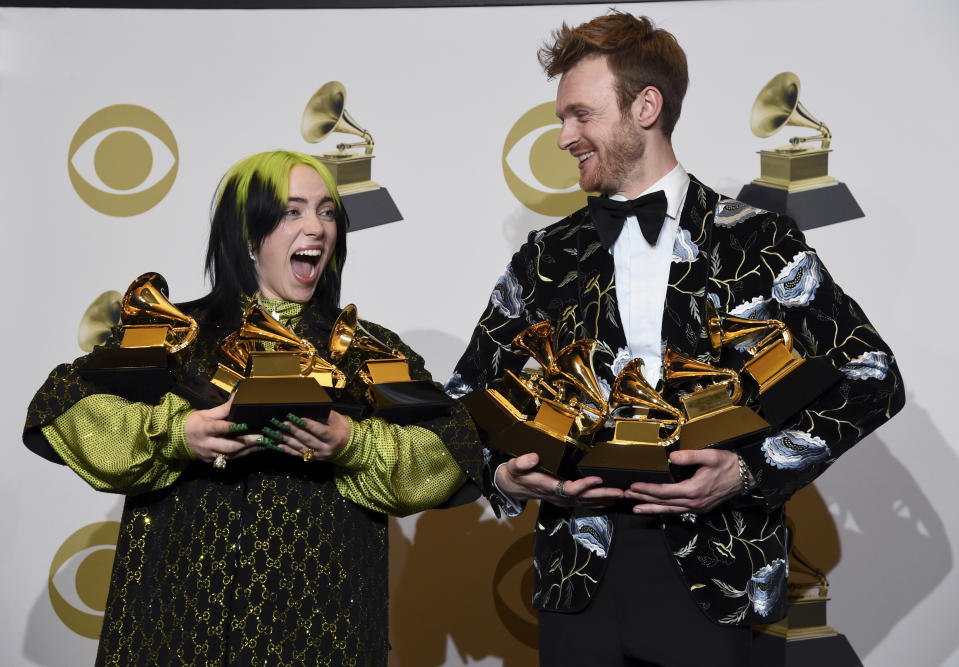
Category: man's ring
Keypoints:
(219, 461)
(308, 455)
(561, 489)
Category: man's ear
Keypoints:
(647, 107)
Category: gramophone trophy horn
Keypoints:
(258, 327)
(385, 372)
(642, 441)
(98, 319)
(778, 105)
(537, 341)
(712, 414)
(573, 368)
(795, 179)
(326, 113)
(277, 373)
(786, 381)
(149, 319)
(153, 330)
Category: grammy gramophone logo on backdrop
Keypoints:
(123, 160)
(541, 176)
(80, 577)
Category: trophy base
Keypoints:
(772, 651)
(556, 452)
(802, 638)
(809, 208)
(634, 454)
(370, 208)
(403, 402)
(137, 374)
(792, 393)
(727, 429)
(257, 400)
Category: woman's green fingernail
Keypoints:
(267, 443)
(235, 428)
(296, 420)
(275, 435)
(280, 425)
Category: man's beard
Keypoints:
(615, 162)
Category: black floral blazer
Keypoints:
(751, 263)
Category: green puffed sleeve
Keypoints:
(119, 446)
(393, 469)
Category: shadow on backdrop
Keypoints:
(463, 581)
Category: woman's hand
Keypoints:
(308, 438)
(208, 435)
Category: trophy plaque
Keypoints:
(385, 372)
(273, 382)
(786, 381)
(153, 330)
(795, 179)
(366, 202)
(641, 442)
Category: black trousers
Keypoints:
(642, 615)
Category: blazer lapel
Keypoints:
(683, 311)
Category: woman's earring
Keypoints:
(249, 249)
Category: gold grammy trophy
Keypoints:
(642, 440)
(795, 179)
(367, 203)
(786, 381)
(545, 412)
(153, 330)
(276, 372)
(385, 373)
(712, 414)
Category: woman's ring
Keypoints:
(219, 461)
(308, 455)
(561, 490)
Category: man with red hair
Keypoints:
(665, 574)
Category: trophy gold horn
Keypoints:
(98, 319)
(778, 104)
(573, 367)
(725, 329)
(348, 333)
(632, 390)
(326, 113)
(679, 366)
(537, 341)
(259, 326)
(146, 313)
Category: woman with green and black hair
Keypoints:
(267, 549)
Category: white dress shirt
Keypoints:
(642, 272)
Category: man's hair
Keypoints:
(638, 53)
(247, 207)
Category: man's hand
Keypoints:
(715, 481)
(520, 479)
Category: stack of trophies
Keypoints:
(560, 412)
(269, 368)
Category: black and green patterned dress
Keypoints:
(268, 561)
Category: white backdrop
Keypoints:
(440, 89)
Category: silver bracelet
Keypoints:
(743, 476)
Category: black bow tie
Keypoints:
(609, 215)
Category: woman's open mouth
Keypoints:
(305, 264)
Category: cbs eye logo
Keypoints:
(80, 577)
(541, 176)
(123, 160)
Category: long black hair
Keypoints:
(247, 207)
